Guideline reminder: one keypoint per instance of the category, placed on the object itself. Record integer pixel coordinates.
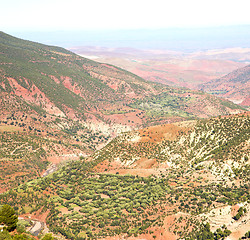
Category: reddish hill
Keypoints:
(235, 86)
(246, 102)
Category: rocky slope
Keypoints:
(219, 142)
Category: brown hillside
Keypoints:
(234, 86)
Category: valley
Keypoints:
(209, 70)
(64, 104)
(89, 150)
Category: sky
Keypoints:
(56, 15)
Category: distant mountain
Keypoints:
(184, 180)
(172, 68)
(56, 105)
(58, 80)
(235, 86)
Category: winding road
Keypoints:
(38, 225)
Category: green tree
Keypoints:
(239, 213)
(8, 217)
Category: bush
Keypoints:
(239, 213)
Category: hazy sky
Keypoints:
(23, 15)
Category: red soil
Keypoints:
(108, 66)
(246, 101)
(34, 96)
(36, 216)
(161, 132)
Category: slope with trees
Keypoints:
(201, 168)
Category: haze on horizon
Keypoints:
(133, 23)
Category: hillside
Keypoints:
(162, 182)
(62, 83)
(210, 143)
(235, 86)
(51, 106)
(31, 140)
(56, 105)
